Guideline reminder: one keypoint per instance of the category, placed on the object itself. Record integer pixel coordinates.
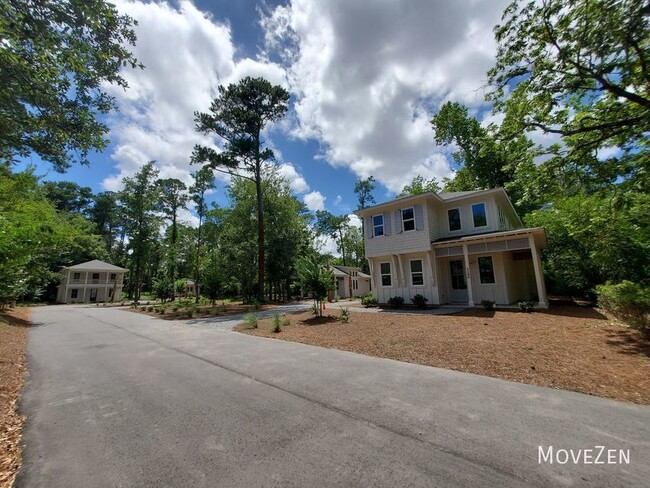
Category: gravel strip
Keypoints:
(230, 321)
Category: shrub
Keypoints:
(345, 315)
(487, 304)
(276, 325)
(175, 307)
(419, 301)
(315, 310)
(627, 301)
(251, 321)
(150, 308)
(369, 301)
(396, 302)
(526, 306)
(143, 309)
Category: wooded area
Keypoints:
(579, 70)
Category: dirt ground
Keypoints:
(13, 342)
(569, 347)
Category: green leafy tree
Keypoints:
(595, 238)
(172, 197)
(420, 185)
(363, 188)
(106, 215)
(316, 280)
(238, 117)
(335, 227)
(203, 182)
(68, 196)
(56, 58)
(139, 197)
(580, 69)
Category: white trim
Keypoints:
(487, 219)
(421, 272)
(383, 225)
(460, 220)
(401, 213)
(381, 275)
(478, 268)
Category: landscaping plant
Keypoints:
(251, 321)
(526, 306)
(487, 304)
(396, 302)
(369, 301)
(345, 315)
(419, 301)
(276, 325)
(627, 301)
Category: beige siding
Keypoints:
(400, 242)
(466, 216)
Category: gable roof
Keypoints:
(95, 265)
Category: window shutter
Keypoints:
(369, 228)
(398, 221)
(419, 217)
(387, 229)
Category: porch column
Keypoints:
(85, 287)
(371, 268)
(468, 274)
(539, 277)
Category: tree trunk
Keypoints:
(260, 234)
(198, 255)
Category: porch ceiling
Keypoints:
(538, 234)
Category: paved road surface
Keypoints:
(121, 399)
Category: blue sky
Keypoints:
(365, 79)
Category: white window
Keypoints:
(386, 279)
(74, 293)
(479, 215)
(378, 225)
(453, 215)
(408, 219)
(355, 284)
(113, 276)
(417, 274)
(76, 276)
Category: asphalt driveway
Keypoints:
(121, 399)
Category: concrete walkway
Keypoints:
(121, 399)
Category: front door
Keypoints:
(93, 294)
(458, 282)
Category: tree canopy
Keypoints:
(55, 57)
(238, 116)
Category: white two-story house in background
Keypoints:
(453, 248)
(94, 281)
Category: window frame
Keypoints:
(374, 226)
(74, 293)
(421, 272)
(404, 221)
(460, 220)
(389, 274)
(76, 276)
(480, 271)
(95, 274)
(113, 276)
(484, 212)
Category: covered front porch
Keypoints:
(501, 267)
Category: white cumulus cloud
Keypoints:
(297, 181)
(315, 201)
(369, 75)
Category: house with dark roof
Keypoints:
(93, 281)
(454, 248)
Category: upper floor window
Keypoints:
(479, 215)
(378, 225)
(386, 279)
(76, 276)
(113, 276)
(417, 275)
(95, 276)
(453, 214)
(408, 219)
(486, 269)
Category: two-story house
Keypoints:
(453, 248)
(94, 281)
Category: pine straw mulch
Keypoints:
(13, 342)
(198, 311)
(569, 347)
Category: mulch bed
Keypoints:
(569, 347)
(13, 342)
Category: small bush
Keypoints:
(314, 309)
(345, 315)
(396, 302)
(487, 304)
(369, 301)
(627, 301)
(251, 321)
(150, 308)
(257, 305)
(176, 307)
(419, 301)
(526, 306)
(276, 325)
